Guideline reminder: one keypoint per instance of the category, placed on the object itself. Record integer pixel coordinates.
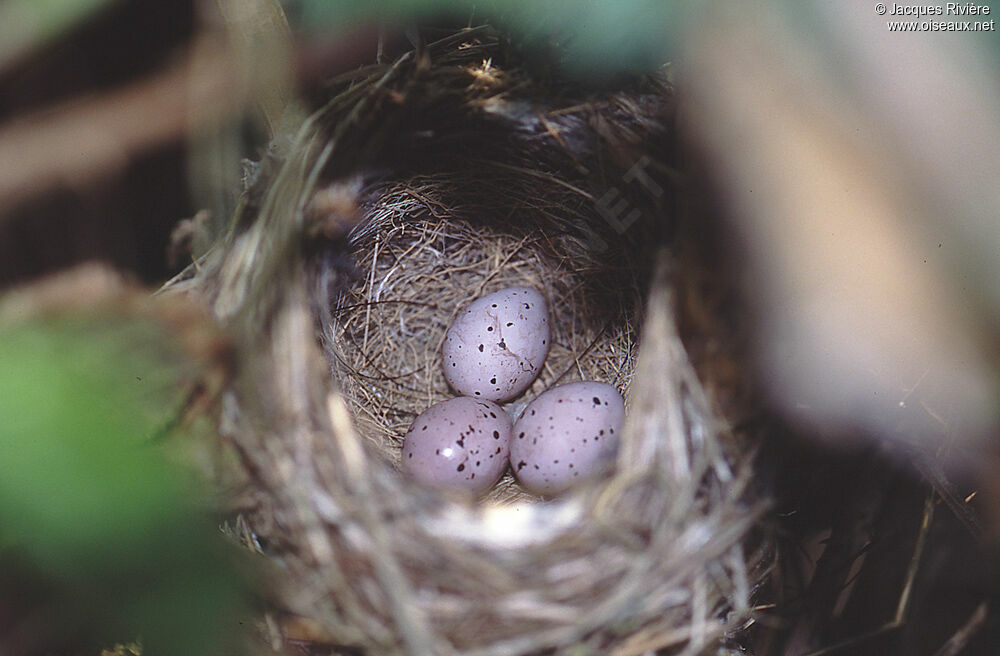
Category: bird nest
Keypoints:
(422, 185)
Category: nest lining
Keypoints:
(648, 558)
(420, 264)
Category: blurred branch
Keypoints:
(91, 139)
(263, 43)
(864, 324)
(257, 36)
(87, 140)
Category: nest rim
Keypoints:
(519, 578)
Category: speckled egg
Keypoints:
(459, 444)
(565, 434)
(496, 346)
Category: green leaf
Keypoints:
(91, 513)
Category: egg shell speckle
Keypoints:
(564, 434)
(496, 346)
(459, 444)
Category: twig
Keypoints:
(960, 640)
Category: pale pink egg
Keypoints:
(496, 346)
(565, 434)
(459, 444)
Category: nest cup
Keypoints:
(421, 260)
(422, 185)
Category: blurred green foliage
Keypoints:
(99, 537)
(597, 37)
(28, 25)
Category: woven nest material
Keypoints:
(422, 185)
